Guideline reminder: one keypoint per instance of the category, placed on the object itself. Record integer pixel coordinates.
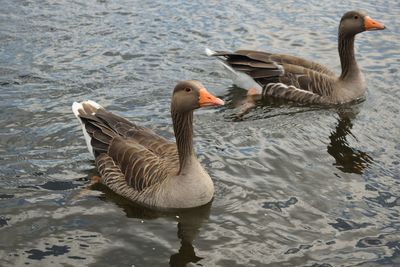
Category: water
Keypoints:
(295, 185)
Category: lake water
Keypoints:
(295, 185)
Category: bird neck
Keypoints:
(183, 129)
(347, 58)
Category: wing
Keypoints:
(249, 61)
(258, 65)
(290, 92)
(284, 76)
(308, 80)
(140, 166)
(113, 177)
(143, 158)
(288, 59)
(103, 126)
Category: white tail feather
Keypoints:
(239, 78)
(75, 109)
(209, 52)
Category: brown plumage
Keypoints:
(301, 80)
(142, 166)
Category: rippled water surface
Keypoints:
(295, 185)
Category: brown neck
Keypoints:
(347, 58)
(183, 129)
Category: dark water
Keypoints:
(295, 185)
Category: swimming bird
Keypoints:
(300, 80)
(142, 166)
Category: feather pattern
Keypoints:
(274, 69)
(281, 90)
(135, 153)
(302, 80)
(144, 167)
(113, 177)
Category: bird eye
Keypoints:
(355, 17)
(188, 89)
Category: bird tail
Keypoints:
(239, 78)
(85, 108)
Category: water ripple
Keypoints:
(295, 185)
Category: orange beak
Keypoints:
(207, 99)
(372, 25)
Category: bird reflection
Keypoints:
(189, 223)
(348, 159)
(242, 102)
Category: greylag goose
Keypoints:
(142, 166)
(301, 80)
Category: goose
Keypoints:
(142, 166)
(300, 80)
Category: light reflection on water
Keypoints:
(295, 185)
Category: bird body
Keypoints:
(142, 166)
(297, 79)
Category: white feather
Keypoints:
(94, 104)
(239, 78)
(75, 109)
(209, 52)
